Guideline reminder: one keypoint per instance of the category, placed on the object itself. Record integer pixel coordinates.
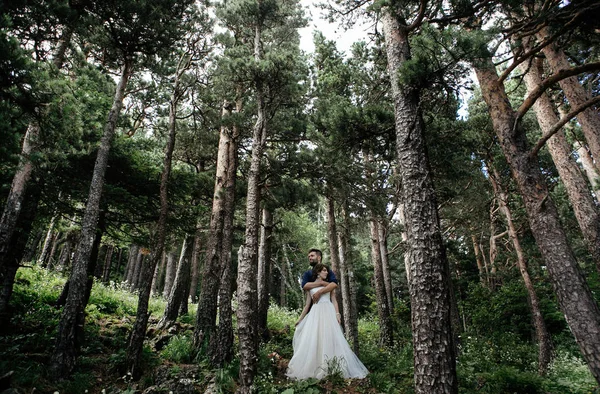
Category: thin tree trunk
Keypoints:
(136, 340)
(247, 292)
(107, 263)
(65, 353)
(434, 358)
(386, 334)
(574, 296)
(385, 263)
(264, 272)
(478, 259)
(195, 269)
(43, 259)
(332, 234)
(179, 291)
(541, 332)
(170, 273)
(347, 280)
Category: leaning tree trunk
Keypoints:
(386, 337)
(385, 263)
(247, 292)
(573, 294)
(434, 358)
(541, 331)
(264, 272)
(138, 333)
(17, 249)
(576, 95)
(207, 304)
(587, 163)
(65, 352)
(15, 199)
(581, 199)
(179, 291)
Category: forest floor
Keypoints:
(487, 365)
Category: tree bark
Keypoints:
(179, 291)
(195, 269)
(574, 296)
(385, 263)
(43, 258)
(264, 272)
(170, 271)
(332, 234)
(542, 334)
(65, 352)
(576, 94)
(587, 163)
(386, 331)
(207, 304)
(138, 333)
(347, 280)
(580, 197)
(434, 358)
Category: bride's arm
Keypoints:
(306, 308)
(336, 307)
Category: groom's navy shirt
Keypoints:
(307, 277)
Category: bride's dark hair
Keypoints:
(318, 268)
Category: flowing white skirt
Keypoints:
(320, 347)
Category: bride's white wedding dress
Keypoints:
(319, 344)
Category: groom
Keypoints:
(314, 257)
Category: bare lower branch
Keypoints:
(561, 123)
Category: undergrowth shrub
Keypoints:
(179, 349)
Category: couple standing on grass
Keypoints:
(320, 347)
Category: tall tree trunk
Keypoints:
(107, 263)
(222, 351)
(179, 292)
(574, 296)
(576, 94)
(264, 272)
(541, 332)
(65, 352)
(207, 304)
(332, 234)
(15, 253)
(195, 269)
(170, 272)
(385, 263)
(138, 333)
(581, 199)
(16, 196)
(247, 292)
(347, 280)
(434, 358)
(43, 258)
(386, 331)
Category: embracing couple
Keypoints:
(319, 343)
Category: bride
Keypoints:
(319, 344)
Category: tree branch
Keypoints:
(551, 80)
(561, 123)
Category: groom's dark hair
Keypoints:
(317, 251)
